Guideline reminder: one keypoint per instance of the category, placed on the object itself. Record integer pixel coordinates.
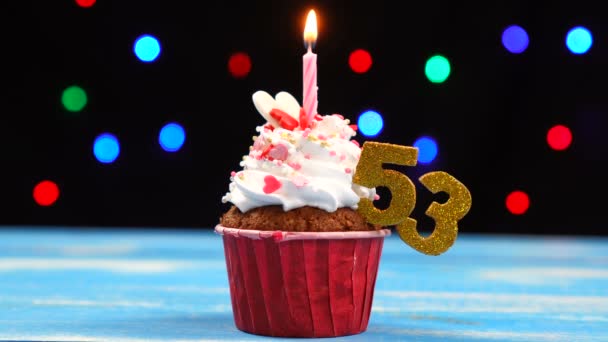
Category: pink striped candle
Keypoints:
(309, 61)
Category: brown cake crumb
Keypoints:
(304, 219)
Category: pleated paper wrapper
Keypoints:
(301, 284)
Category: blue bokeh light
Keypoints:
(106, 148)
(171, 137)
(515, 39)
(370, 123)
(427, 149)
(146, 48)
(579, 40)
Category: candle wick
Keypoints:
(309, 46)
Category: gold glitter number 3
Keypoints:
(446, 215)
(371, 174)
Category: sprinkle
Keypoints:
(258, 144)
(271, 184)
(376, 197)
(338, 115)
(318, 117)
(325, 144)
(306, 133)
(348, 170)
(285, 120)
(332, 153)
(312, 138)
(353, 127)
(299, 181)
(232, 173)
(342, 156)
(355, 142)
(279, 152)
(266, 151)
(294, 165)
(307, 156)
(322, 137)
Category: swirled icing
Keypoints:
(311, 164)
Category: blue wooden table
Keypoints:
(171, 285)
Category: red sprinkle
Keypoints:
(271, 184)
(303, 119)
(266, 151)
(318, 117)
(348, 170)
(353, 127)
(355, 142)
(232, 173)
(284, 119)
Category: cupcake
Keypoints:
(301, 260)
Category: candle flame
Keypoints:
(310, 29)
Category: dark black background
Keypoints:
(490, 117)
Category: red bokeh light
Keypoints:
(559, 137)
(46, 193)
(517, 202)
(85, 3)
(239, 64)
(360, 61)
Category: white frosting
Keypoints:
(297, 167)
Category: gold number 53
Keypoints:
(370, 173)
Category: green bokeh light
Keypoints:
(74, 98)
(437, 69)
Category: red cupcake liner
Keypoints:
(302, 284)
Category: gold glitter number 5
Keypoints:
(446, 215)
(371, 174)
